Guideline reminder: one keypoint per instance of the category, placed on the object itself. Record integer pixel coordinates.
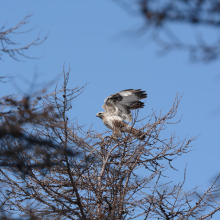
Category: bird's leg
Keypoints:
(114, 136)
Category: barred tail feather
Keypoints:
(139, 134)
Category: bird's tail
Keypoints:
(137, 133)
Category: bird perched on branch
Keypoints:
(118, 108)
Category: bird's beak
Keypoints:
(97, 115)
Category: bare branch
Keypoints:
(10, 47)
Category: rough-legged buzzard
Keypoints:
(118, 108)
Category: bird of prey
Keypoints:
(118, 110)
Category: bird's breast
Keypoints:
(108, 121)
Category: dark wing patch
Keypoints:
(136, 105)
(115, 98)
(140, 94)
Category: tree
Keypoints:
(159, 18)
(51, 168)
(102, 181)
(20, 115)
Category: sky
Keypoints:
(90, 36)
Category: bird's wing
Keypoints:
(109, 109)
(123, 102)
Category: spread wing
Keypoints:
(123, 102)
(109, 109)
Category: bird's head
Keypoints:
(100, 115)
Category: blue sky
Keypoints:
(89, 36)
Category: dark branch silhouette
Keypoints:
(159, 18)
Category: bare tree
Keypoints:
(51, 168)
(102, 182)
(159, 17)
(10, 47)
(20, 116)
